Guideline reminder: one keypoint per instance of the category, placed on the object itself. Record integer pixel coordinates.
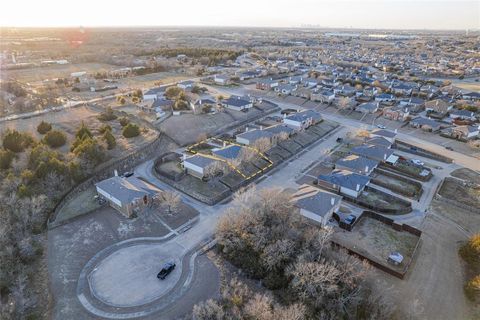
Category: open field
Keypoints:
(55, 71)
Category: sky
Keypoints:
(371, 14)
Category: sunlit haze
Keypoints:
(388, 14)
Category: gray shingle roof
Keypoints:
(315, 200)
(127, 189)
(373, 152)
(346, 179)
(357, 163)
(200, 161)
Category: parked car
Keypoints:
(395, 258)
(128, 174)
(417, 162)
(350, 219)
(449, 148)
(381, 126)
(339, 139)
(166, 270)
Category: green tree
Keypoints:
(123, 121)
(6, 157)
(16, 141)
(131, 130)
(105, 128)
(55, 138)
(44, 127)
(109, 139)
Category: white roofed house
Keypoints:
(316, 205)
(127, 195)
(302, 120)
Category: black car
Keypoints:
(350, 219)
(449, 148)
(166, 269)
(339, 139)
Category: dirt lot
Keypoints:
(433, 287)
(466, 174)
(396, 184)
(377, 240)
(452, 189)
(379, 200)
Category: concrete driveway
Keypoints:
(128, 277)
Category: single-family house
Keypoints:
(228, 153)
(302, 120)
(345, 90)
(154, 93)
(310, 82)
(471, 96)
(127, 195)
(267, 84)
(368, 107)
(426, 124)
(295, 80)
(466, 132)
(221, 79)
(316, 205)
(346, 182)
(415, 102)
(285, 89)
(237, 104)
(302, 93)
(199, 104)
(462, 114)
(249, 137)
(324, 96)
(385, 98)
(386, 134)
(379, 141)
(377, 153)
(197, 165)
(356, 163)
(396, 113)
(438, 106)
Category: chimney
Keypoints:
(396, 130)
(366, 169)
(224, 144)
(246, 128)
(332, 201)
(115, 173)
(384, 156)
(261, 127)
(358, 187)
(284, 115)
(184, 157)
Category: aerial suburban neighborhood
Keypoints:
(240, 172)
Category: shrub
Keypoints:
(472, 288)
(90, 150)
(470, 251)
(83, 132)
(6, 157)
(16, 141)
(123, 121)
(131, 130)
(107, 115)
(44, 127)
(109, 139)
(105, 128)
(55, 139)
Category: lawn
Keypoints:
(80, 204)
(381, 201)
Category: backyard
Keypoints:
(377, 240)
(398, 184)
(384, 202)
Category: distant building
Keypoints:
(302, 120)
(237, 104)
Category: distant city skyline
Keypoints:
(371, 14)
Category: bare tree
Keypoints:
(262, 144)
(260, 307)
(216, 168)
(170, 199)
(282, 136)
(344, 103)
(208, 310)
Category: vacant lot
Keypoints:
(467, 175)
(453, 189)
(376, 240)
